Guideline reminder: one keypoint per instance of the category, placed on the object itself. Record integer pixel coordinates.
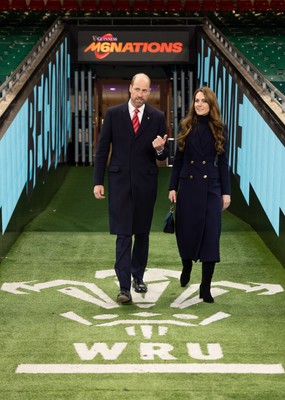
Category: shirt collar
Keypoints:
(132, 108)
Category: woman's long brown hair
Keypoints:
(215, 120)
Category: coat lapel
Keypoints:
(195, 143)
(126, 119)
(146, 119)
(199, 147)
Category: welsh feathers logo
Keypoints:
(150, 321)
(158, 281)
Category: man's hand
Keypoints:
(99, 192)
(159, 143)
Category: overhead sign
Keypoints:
(118, 46)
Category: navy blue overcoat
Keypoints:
(201, 177)
(132, 170)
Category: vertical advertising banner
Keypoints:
(37, 139)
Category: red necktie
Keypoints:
(135, 120)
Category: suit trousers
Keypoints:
(131, 260)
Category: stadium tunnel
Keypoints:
(53, 102)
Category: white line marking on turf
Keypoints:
(185, 316)
(214, 368)
(147, 331)
(106, 316)
(145, 314)
(148, 322)
(214, 318)
(74, 317)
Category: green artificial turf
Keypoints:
(66, 258)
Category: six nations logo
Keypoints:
(147, 319)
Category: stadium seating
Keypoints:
(227, 5)
(141, 5)
(122, 5)
(210, 5)
(262, 5)
(157, 5)
(246, 28)
(146, 5)
(70, 5)
(4, 5)
(263, 47)
(88, 5)
(38, 5)
(53, 5)
(278, 5)
(192, 5)
(18, 4)
(174, 6)
(244, 5)
(105, 5)
(15, 44)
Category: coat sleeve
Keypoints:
(177, 165)
(223, 164)
(102, 152)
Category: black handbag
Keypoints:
(169, 223)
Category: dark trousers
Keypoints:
(131, 260)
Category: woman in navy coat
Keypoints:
(200, 185)
(132, 179)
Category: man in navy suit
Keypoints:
(132, 180)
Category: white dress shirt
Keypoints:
(132, 111)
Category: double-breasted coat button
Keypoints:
(205, 176)
(190, 176)
(192, 162)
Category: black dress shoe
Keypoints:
(139, 285)
(124, 297)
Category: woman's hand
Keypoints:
(226, 201)
(172, 196)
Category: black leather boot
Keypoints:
(186, 272)
(207, 274)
